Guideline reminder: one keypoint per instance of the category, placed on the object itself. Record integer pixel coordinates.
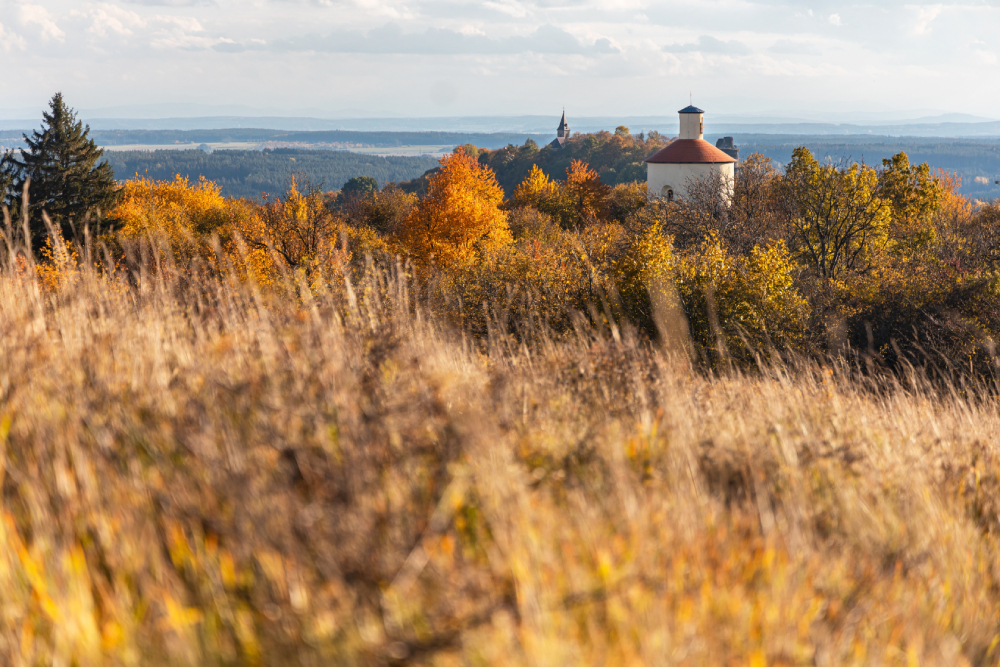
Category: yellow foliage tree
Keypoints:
(580, 199)
(838, 217)
(299, 227)
(460, 217)
(914, 195)
(180, 215)
(735, 302)
(645, 280)
(536, 189)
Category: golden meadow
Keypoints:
(569, 427)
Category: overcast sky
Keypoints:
(453, 57)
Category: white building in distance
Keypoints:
(688, 159)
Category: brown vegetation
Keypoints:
(582, 427)
(198, 472)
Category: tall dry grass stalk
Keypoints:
(197, 473)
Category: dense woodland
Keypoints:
(254, 173)
(617, 157)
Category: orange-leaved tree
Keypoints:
(459, 218)
(588, 195)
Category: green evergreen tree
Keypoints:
(68, 177)
(8, 180)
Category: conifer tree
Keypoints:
(68, 179)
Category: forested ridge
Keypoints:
(252, 135)
(617, 157)
(253, 173)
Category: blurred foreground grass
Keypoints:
(195, 473)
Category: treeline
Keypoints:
(253, 173)
(886, 265)
(251, 135)
(617, 157)
(971, 158)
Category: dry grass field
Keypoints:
(195, 472)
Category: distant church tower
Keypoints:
(562, 132)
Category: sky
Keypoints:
(411, 58)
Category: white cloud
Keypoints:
(38, 15)
(391, 39)
(182, 23)
(10, 40)
(605, 54)
(106, 18)
(925, 16)
(510, 7)
(987, 57)
(709, 44)
(795, 47)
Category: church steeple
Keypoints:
(563, 131)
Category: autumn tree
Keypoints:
(741, 305)
(753, 210)
(468, 149)
(382, 210)
(68, 180)
(178, 215)
(627, 199)
(914, 195)
(459, 217)
(836, 215)
(588, 196)
(299, 227)
(537, 190)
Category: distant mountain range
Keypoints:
(941, 125)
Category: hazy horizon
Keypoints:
(452, 58)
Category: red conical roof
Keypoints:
(690, 151)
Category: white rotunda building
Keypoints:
(687, 159)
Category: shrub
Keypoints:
(741, 306)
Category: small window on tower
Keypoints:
(701, 127)
(667, 192)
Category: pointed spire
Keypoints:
(563, 129)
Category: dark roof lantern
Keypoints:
(691, 109)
